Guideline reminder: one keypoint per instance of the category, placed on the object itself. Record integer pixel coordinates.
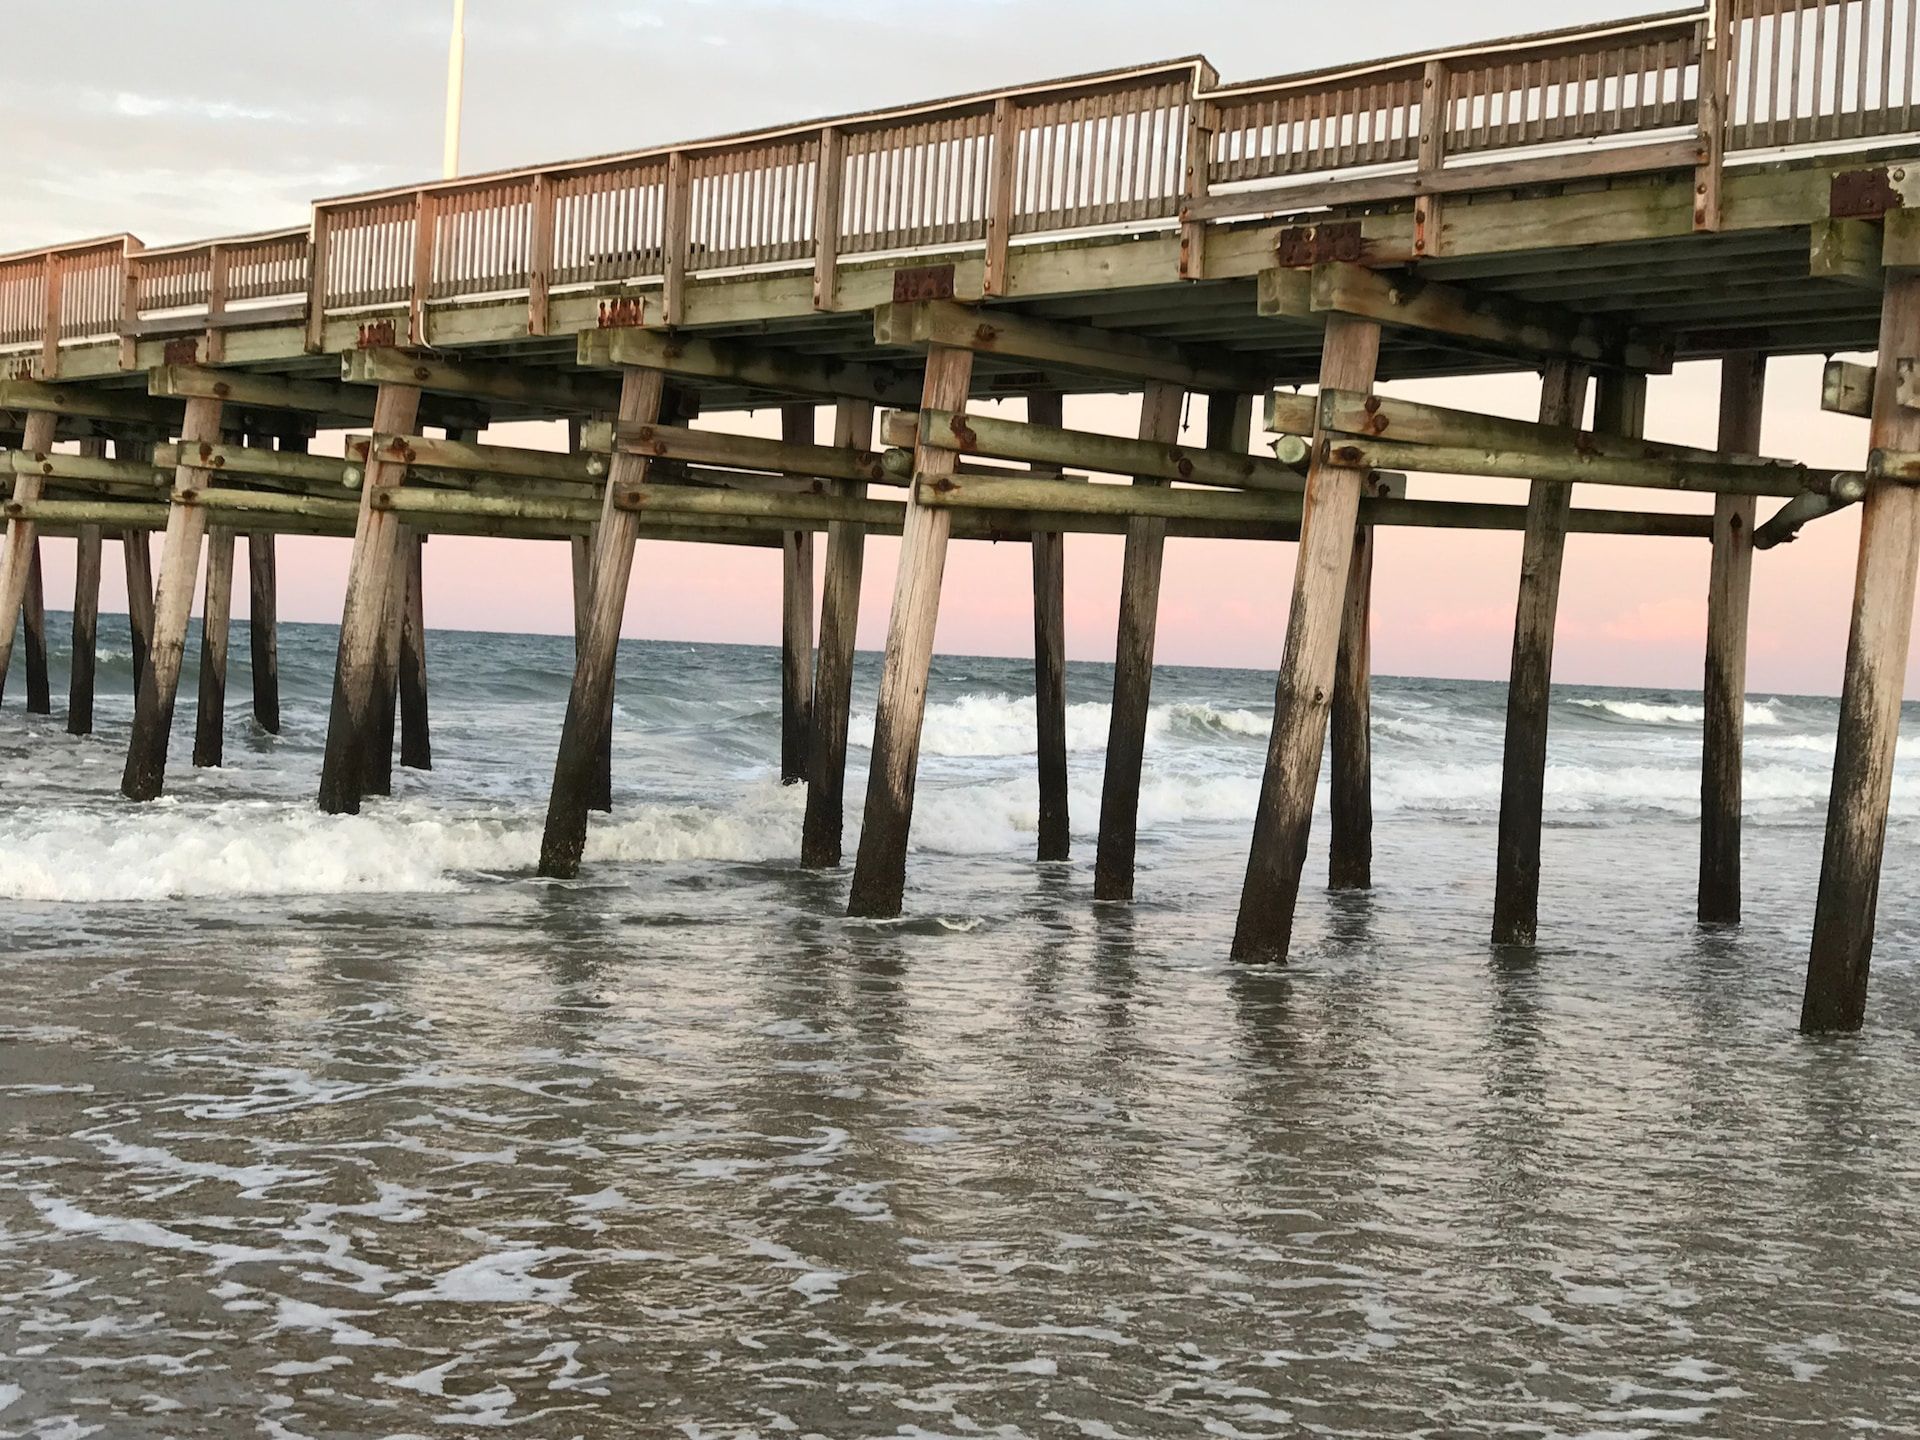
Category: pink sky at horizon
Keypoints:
(1632, 611)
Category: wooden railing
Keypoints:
(1159, 145)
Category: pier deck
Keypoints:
(1593, 205)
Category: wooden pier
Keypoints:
(1590, 205)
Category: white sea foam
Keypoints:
(1644, 712)
(982, 725)
(259, 848)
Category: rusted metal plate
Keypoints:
(1300, 246)
(923, 282)
(184, 351)
(376, 335)
(623, 313)
(1862, 195)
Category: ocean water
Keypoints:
(319, 1127)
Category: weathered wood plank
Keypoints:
(1729, 583)
(1882, 625)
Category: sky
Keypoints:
(210, 117)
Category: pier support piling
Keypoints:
(368, 621)
(263, 627)
(18, 556)
(416, 735)
(879, 870)
(796, 621)
(1516, 892)
(1883, 592)
(580, 551)
(1350, 790)
(33, 624)
(145, 774)
(1724, 693)
(210, 714)
(1264, 929)
(85, 650)
(136, 554)
(821, 830)
(1133, 662)
(1055, 838)
(590, 701)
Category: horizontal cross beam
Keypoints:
(1088, 348)
(1473, 317)
(780, 372)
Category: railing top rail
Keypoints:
(1192, 67)
(123, 241)
(257, 237)
(1513, 45)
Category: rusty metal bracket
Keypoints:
(376, 335)
(1862, 195)
(624, 313)
(1301, 246)
(924, 282)
(184, 351)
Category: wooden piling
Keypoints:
(1883, 593)
(416, 737)
(85, 649)
(21, 547)
(1350, 789)
(820, 831)
(1264, 929)
(796, 622)
(879, 871)
(209, 729)
(33, 624)
(1516, 892)
(1133, 664)
(377, 778)
(580, 548)
(367, 617)
(263, 628)
(1055, 838)
(1742, 387)
(136, 553)
(590, 701)
(145, 774)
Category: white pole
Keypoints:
(456, 68)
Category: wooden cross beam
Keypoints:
(1087, 348)
(427, 452)
(781, 372)
(333, 400)
(745, 452)
(77, 402)
(1475, 318)
(567, 392)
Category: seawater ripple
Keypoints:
(679, 1151)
